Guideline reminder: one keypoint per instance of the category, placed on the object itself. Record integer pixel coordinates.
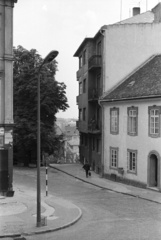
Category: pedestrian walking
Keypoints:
(86, 167)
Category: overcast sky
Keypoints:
(62, 25)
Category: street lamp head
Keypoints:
(50, 57)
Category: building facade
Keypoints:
(6, 95)
(89, 77)
(132, 133)
(125, 47)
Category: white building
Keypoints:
(132, 127)
(132, 91)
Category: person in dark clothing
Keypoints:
(86, 167)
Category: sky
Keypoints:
(62, 25)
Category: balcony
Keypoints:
(94, 62)
(77, 100)
(82, 126)
(94, 94)
(77, 124)
(79, 73)
(94, 126)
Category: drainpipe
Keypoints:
(102, 140)
(103, 33)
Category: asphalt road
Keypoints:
(106, 215)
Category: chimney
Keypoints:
(136, 11)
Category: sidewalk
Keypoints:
(18, 213)
(76, 171)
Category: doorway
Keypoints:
(153, 181)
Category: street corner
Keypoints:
(64, 212)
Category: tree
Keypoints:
(53, 99)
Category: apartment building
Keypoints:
(105, 61)
(89, 77)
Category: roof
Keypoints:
(144, 82)
(76, 54)
(71, 130)
(58, 130)
(147, 17)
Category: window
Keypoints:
(132, 121)
(86, 141)
(84, 114)
(98, 145)
(113, 157)
(84, 86)
(154, 121)
(80, 88)
(80, 114)
(114, 120)
(93, 144)
(1, 140)
(80, 61)
(81, 139)
(98, 81)
(84, 57)
(131, 161)
(99, 48)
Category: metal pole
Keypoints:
(38, 154)
(47, 59)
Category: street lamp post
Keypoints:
(47, 59)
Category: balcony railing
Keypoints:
(79, 74)
(77, 100)
(94, 93)
(77, 124)
(94, 126)
(94, 62)
(82, 126)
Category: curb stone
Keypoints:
(58, 228)
(19, 236)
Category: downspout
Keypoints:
(103, 33)
(102, 141)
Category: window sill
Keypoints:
(114, 133)
(154, 136)
(132, 134)
(131, 172)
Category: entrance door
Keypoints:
(153, 170)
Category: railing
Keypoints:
(94, 62)
(94, 93)
(82, 126)
(77, 124)
(77, 100)
(94, 126)
(79, 74)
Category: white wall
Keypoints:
(127, 47)
(142, 143)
